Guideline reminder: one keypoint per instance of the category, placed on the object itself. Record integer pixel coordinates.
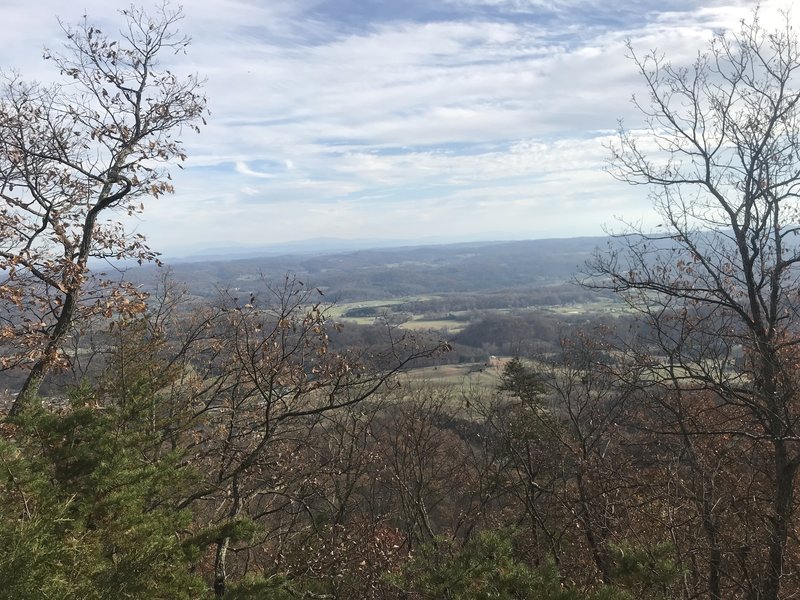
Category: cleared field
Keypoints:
(338, 310)
(603, 306)
(458, 320)
(448, 325)
(461, 375)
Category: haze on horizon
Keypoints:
(368, 119)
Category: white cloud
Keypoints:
(491, 119)
(243, 169)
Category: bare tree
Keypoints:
(719, 284)
(272, 382)
(70, 153)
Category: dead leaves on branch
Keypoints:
(97, 144)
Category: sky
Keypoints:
(417, 120)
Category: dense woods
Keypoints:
(253, 443)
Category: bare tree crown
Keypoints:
(97, 143)
(717, 283)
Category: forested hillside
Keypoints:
(590, 418)
(486, 267)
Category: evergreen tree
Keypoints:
(87, 512)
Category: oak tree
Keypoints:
(94, 145)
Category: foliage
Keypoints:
(486, 568)
(646, 572)
(263, 588)
(87, 512)
(69, 153)
(522, 381)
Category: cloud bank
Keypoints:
(469, 119)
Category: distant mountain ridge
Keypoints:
(310, 246)
(321, 245)
(389, 272)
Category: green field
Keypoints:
(461, 318)
(338, 310)
(423, 324)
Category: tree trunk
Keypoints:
(220, 558)
(220, 574)
(30, 388)
(785, 472)
(595, 544)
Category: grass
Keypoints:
(338, 310)
(606, 306)
(423, 322)
(464, 375)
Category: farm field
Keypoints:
(455, 321)
(462, 375)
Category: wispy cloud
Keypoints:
(357, 119)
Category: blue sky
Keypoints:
(399, 119)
